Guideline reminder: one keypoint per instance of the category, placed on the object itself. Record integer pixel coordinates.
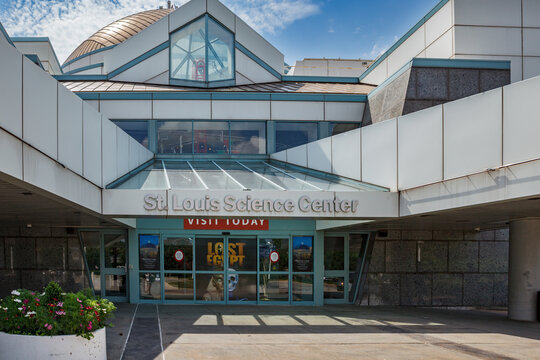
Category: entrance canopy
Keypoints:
(243, 188)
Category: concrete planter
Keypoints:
(27, 347)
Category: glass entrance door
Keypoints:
(106, 259)
(226, 276)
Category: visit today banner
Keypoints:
(226, 224)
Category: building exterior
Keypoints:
(172, 160)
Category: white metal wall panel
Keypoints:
(420, 148)
(406, 51)
(487, 40)
(146, 40)
(161, 79)
(379, 154)
(122, 152)
(85, 61)
(182, 109)
(343, 111)
(487, 13)
(39, 48)
(241, 110)
(439, 23)
(92, 144)
(221, 14)
(297, 155)
(147, 69)
(93, 103)
(11, 161)
(531, 43)
(319, 155)
(186, 13)
(126, 109)
(442, 47)
(378, 74)
(109, 150)
(531, 9)
(39, 109)
(11, 89)
(531, 67)
(241, 79)
(347, 155)
(298, 110)
(472, 134)
(133, 153)
(281, 156)
(251, 70)
(70, 139)
(255, 43)
(521, 124)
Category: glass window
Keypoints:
(243, 254)
(302, 287)
(274, 254)
(334, 253)
(355, 249)
(334, 288)
(291, 134)
(92, 248)
(178, 286)
(220, 52)
(115, 285)
(248, 137)
(210, 287)
(213, 177)
(209, 254)
(150, 286)
(178, 254)
(338, 128)
(149, 252)
(194, 45)
(242, 287)
(302, 253)
(274, 287)
(181, 176)
(136, 129)
(115, 251)
(211, 137)
(175, 137)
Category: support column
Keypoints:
(524, 269)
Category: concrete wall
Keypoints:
(439, 268)
(31, 257)
(329, 67)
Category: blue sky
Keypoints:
(300, 29)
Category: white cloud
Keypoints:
(69, 22)
(378, 49)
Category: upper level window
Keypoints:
(202, 52)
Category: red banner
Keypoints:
(226, 224)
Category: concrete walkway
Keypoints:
(330, 332)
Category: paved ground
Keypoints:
(330, 332)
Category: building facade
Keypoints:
(171, 159)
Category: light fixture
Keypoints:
(28, 225)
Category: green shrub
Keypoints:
(53, 312)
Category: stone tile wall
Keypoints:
(31, 257)
(439, 268)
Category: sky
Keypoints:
(346, 29)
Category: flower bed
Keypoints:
(53, 312)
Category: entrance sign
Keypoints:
(274, 257)
(179, 255)
(226, 224)
(149, 252)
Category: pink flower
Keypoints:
(89, 327)
(48, 326)
(61, 312)
(25, 301)
(60, 304)
(37, 299)
(79, 300)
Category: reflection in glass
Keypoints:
(150, 286)
(115, 251)
(209, 254)
(149, 252)
(188, 52)
(151, 178)
(356, 242)
(178, 253)
(291, 134)
(181, 176)
(178, 286)
(334, 288)
(338, 128)
(248, 137)
(210, 287)
(115, 285)
(334, 253)
(175, 137)
(219, 49)
(242, 287)
(243, 254)
(274, 287)
(92, 248)
(302, 253)
(136, 129)
(302, 287)
(211, 137)
(213, 177)
(267, 247)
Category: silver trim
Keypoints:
(166, 175)
(294, 177)
(230, 176)
(262, 177)
(197, 175)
